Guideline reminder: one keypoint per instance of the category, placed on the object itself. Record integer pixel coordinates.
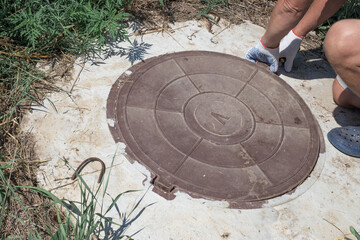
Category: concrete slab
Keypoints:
(73, 126)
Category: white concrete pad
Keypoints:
(76, 128)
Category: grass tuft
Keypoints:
(31, 31)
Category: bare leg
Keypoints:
(342, 49)
(319, 11)
(344, 97)
(302, 16)
(284, 17)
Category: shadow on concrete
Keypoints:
(136, 25)
(114, 231)
(310, 65)
(135, 52)
(346, 116)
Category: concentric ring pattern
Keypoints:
(214, 126)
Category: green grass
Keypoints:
(48, 28)
(78, 220)
(31, 31)
(18, 80)
(211, 6)
(353, 232)
(90, 215)
(8, 193)
(38, 29)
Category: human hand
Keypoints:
(289, 46)
(260, 53)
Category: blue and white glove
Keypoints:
(289, 46)
(269, 56)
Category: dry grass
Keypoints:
(25, 211)
(256, 11)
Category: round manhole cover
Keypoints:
(214, 126)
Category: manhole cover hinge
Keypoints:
(162, 184)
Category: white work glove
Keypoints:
(289, 46)
(269, 56)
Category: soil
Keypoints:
(236, 12)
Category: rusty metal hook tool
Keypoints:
(86, 162)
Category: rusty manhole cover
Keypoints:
(214, 126)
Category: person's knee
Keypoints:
(297, 7)
(337, 91)
(344, 97)
(341, 41)
(341, 95)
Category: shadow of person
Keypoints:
(346, 116)
(310, 65)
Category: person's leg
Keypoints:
(285, 16)
(318, 12)
(302, 16)
(342, 49)
(343, 96)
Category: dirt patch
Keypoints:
(174, 11)
(236, 12)
(26, 211)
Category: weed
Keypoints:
(32, 30)
(9, 193)
(354, 232)
(209, 6)
(89, 214)
(29, 31)
(85, 219)
(54, 27)
(18, 86)
(162, 3)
